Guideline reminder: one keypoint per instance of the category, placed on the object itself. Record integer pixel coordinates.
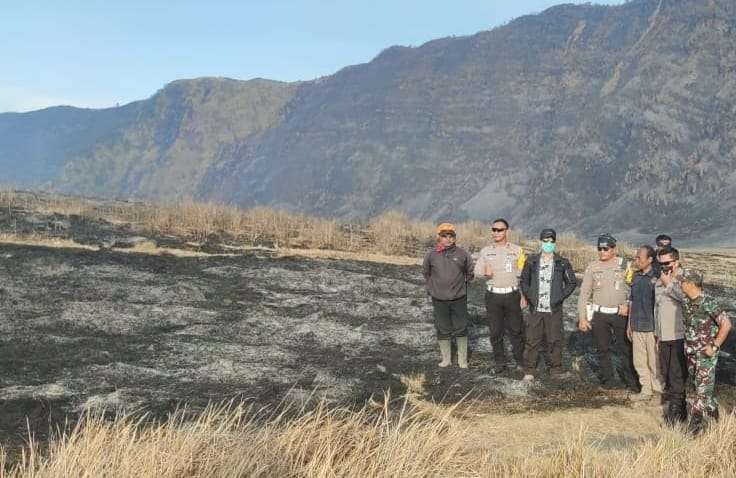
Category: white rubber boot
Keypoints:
(462, 352)
(446, 351)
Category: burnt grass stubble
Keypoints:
(118, 331)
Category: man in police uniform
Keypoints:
(501, 264)
(661, 241)
(706, 328)
(669, 329)
(603, 308)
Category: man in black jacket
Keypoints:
(447, 269)
(546, 281)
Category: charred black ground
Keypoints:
(125, 331)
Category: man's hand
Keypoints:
(488, 271)
(667, 277)
(584, 325)
(629, 332)
(523, 303)
(623, 309)
(709, 351)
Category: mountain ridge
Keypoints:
(587, 117)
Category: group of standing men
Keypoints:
(664, 327)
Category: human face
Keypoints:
(446, 239)
(548, 245)
(668, 262)
(690, 290)
(663, 243)
(606, 253)
(642, 260)
(499, 232)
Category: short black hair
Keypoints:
(500, 219)
(669, 250)
(662, 237)
(649, 249)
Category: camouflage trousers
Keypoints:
(702, 373)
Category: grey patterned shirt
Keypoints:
(545, 283)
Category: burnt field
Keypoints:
(122, 331)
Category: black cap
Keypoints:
(548, 233)
(606, 240)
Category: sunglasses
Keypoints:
(447, 234)
(603, 248)
(496, 229)
(665, 263)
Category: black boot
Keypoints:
(695, 427)
(713, 415)
(676, 413)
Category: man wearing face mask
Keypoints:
(546, 281)
(603, 308)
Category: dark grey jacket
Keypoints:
(563, 281)
(448, 272)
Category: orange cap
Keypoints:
(445, 227)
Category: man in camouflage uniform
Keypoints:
(706, 328)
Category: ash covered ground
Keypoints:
(128, 331)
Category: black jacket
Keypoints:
(563, 281)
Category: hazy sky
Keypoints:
(98, 53)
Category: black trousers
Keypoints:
(543, 327)
(451, 317)
(606, 326)
(504, 316)
(673, 362)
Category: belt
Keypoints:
(502, 290)
(605, 310)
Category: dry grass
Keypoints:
(718, 265)
(390, 234)
(381, 441)
(43, 240)
(391, 237)
(237, 441)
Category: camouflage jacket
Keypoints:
(703, 317)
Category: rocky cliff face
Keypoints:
(584, 117)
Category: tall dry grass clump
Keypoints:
(392, 233)
(578, 252)
(239, 441)
(672, 453)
